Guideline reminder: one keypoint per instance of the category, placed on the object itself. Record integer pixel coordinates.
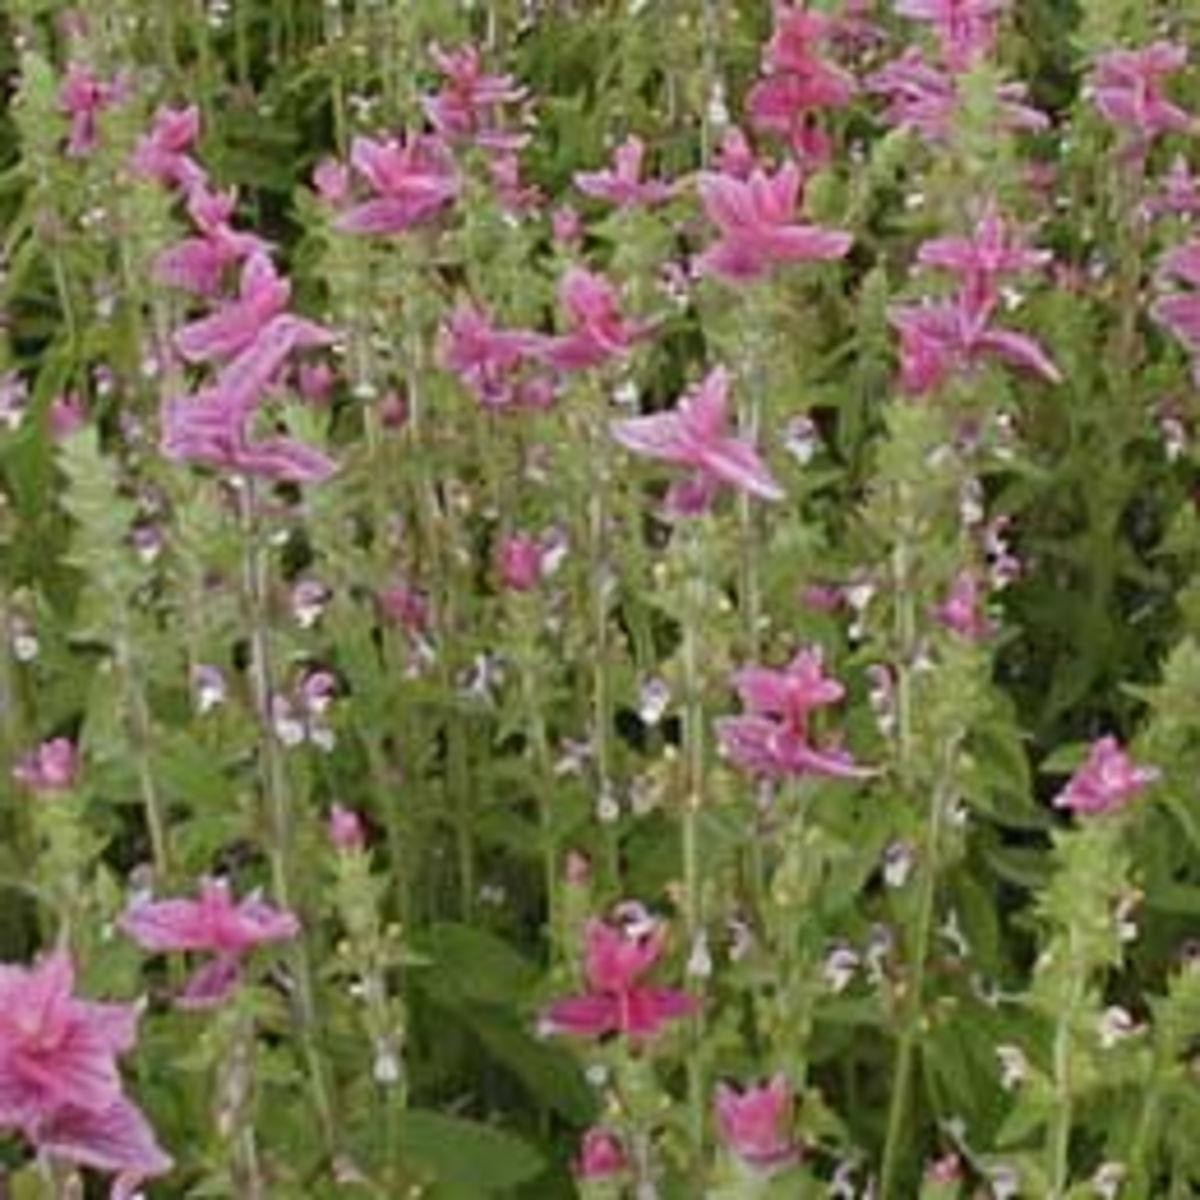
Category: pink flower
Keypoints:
(198, 264)
(757, 232)
(413, 181)
(67, 416)
(331, 181)
(59, 1083)
(263, 294)
(52, 767)
(962, 609)
(923, 98)
(694, 435)
(315, 382)
(467, 107)
(599, 332)
(792, 693)
(1127, 88)
(965, 29)
(489, 361)
(623, 184)
(515, 196)
(754, 1123)
(519, 562)
(1180, 194)
(406, 606)
(212, 924)
(83, 97)
(566, 226)
(981, 260)
(601, 1155)
(940, 339)
(616, 957)
(735, 156)
(1106, 782)
(162, 153)
(346, 831)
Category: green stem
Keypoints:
(279, 802)
(1059, 1142)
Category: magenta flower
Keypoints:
(346, 832)
(263, 295)
(67, 416)
(965, 29)
(519, 562)
(599, 331)
(616, 957)
(772, 738)
(735, 155)
(981, 260)
(198, 264)
(413, 181)
(211, 924)
(1106, 782)
(83, 97)
(695, 435)
(757, 233)
(489, 361)
(162, 154)
(1127, 88)
(601, 1155)
(623, 184)
(962, 610)
(467, 107)
(52, 767)
(940, 339)
(754, 1123)
(925, 99)
(59, 1084)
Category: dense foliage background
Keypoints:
(384, 613)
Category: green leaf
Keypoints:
(467, 1154)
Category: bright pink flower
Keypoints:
(212, 924)
(488, 360)
(623, 185)
(1107, 781)
(616, 957)
(331, 181)
(981, 260)
(413, 181)
(923, 98)
(755, 1123)
(162, 154)
(67, 416)
(757, 233)
(52, 767)
(519, 562)
(198, 264)
(346, 831)
(601, 1155)
(938, 340)
(1127, 87)
(467, 107)
(599, 331)
(965, 29)
(83, 97)
(59, 1083)
(695, 435)
(962, 610)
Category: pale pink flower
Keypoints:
(755, 1123)
(601, 1155)
(59, 1084)
(623, 184)
(346, 832)
(67, 416)
(616, 957)
(331, 181)
(162, 154)
(467, 109)
(695, 435)
(599, 332)
(965, 29)
(213, 924)
(755, 219)
(1127, 88)
(1179, 194)
(1106, 782)
(52, 767)
(566, 226)
(515, 196)
(1180, 313)
(413, 181)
